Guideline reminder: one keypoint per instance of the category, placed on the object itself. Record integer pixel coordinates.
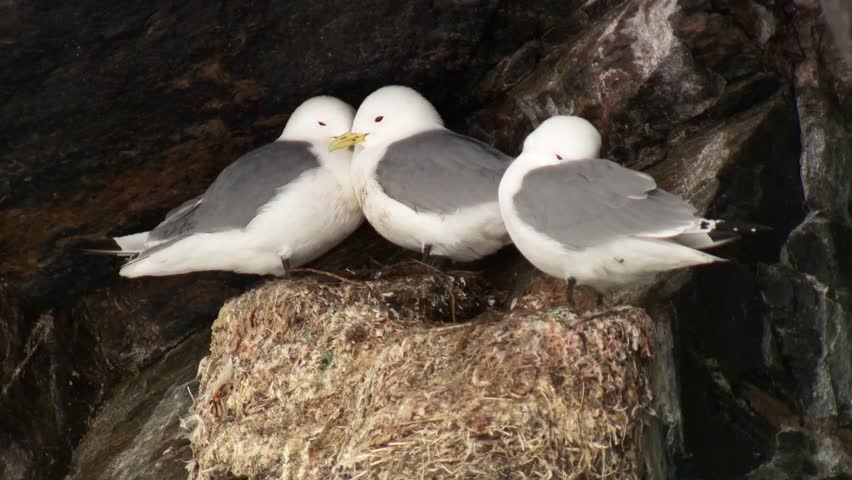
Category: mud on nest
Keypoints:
(310, 380)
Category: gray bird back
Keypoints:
(585, 203)
(233, 199)
(440, 171)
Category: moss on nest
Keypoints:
(308, 380)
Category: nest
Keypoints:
(307, 380)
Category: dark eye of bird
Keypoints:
(321, 123)
(559, 157)
(380, 118)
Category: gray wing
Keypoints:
(177, 222)
(441, 171)
(584, 203)
(184, 208)
(233, 199)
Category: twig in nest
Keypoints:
(381, 268)
(452, 302)
(588, 319)
(380, 264)
(430, 267)
(449, 286)
(448, 272)
(446, 275)
(465, 272)
(327, 274)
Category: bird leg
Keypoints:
(435, 262)
(571, 284)
(285, 262)
(427, 252)
(582, 297)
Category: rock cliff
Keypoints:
(113, 113)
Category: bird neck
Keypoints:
(339, 164)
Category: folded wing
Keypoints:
(588, 202)
(234, 198)
(440, 171)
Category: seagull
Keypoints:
(420, 185)
(593, 222)
(274, 208)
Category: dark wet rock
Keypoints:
(138, 433)
(776, 353)
(66, 362)
(807, 345)
(117, 113)
(800, 456)
(15, 462)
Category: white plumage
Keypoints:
(420, 185)
(577, 217)
(277, 207)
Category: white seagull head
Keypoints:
(564, 138)
(390, 114)
(319, 119)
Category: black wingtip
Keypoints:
(740, 228)
(720, 236)
(103, 247)
(114, 253)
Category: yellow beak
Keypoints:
(346, 140)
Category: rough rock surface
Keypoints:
(138, 433)
(115, 113)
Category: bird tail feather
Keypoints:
(715, 233)
(126, 246)
(115, 253)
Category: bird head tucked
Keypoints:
(564, 138)
(319, 119)
(389, 114)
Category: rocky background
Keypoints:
(113, 113)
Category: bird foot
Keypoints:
(434, 261)
(570, 285)
(583, 297)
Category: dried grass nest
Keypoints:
(312, 380)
